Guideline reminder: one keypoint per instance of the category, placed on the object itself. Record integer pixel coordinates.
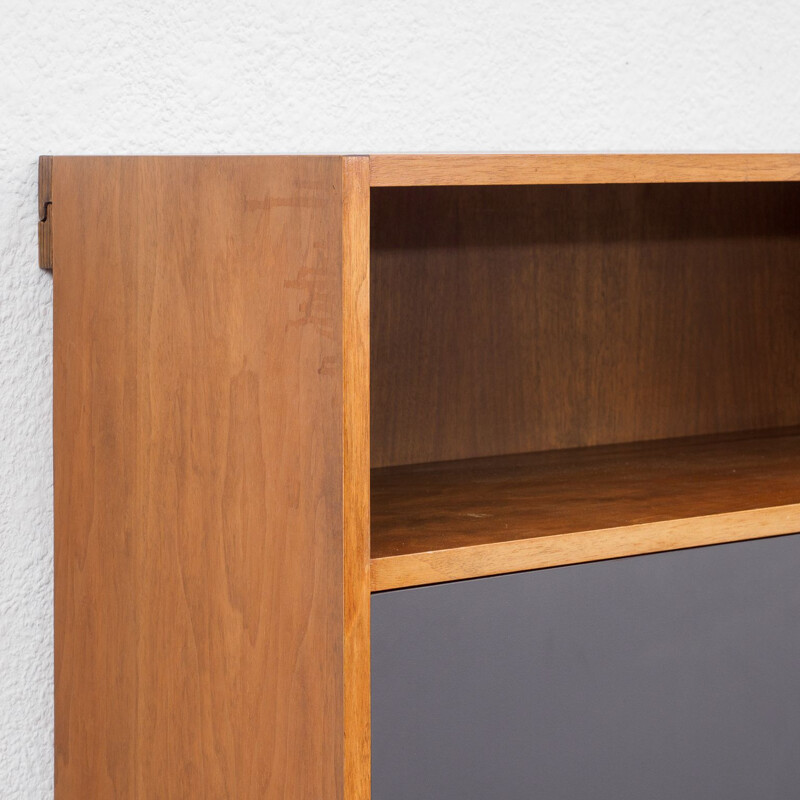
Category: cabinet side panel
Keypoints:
(198, 478)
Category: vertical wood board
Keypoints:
(198, 478)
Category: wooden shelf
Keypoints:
(487, 170)
(465, 519)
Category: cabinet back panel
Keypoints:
(521, 318)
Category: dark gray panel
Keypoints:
(666, 677)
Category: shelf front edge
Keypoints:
(486, 170)
(440, 566)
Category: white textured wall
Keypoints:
(224, 77)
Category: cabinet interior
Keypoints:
(510, 320)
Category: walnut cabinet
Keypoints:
(285, 384)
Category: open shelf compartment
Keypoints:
(564, 373)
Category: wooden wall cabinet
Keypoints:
(283, 383)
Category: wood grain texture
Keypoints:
(514, 319)
(473, 170)
(45, 208)
(355, 354)
(199, 478)
(465, 519)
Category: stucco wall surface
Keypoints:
(214, 77)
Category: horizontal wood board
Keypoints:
(455, 520)
(485, 169)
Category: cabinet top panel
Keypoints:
(477, 170)
(407, 169)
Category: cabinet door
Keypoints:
(651, 678)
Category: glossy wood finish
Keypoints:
(514, 319)
(472, 170)
(449, 521)
(200, 437)
(355, 359)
